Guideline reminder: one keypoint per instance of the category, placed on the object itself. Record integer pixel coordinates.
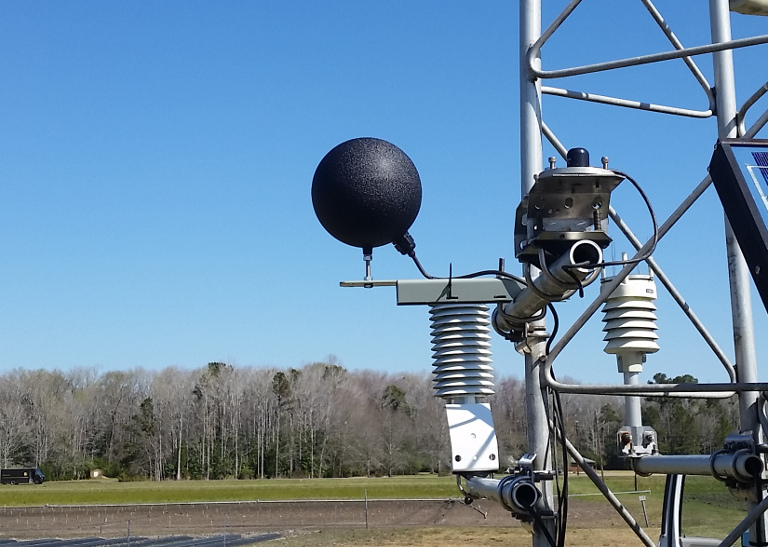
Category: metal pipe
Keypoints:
(632, 411)
(479, 487)
(740, 115)
(757, 126)
(553, 286)
(591, 97)
(741, 306)
(517, 494)
(553, 140)
(627, 103)
(534, 50)
(741, 465)
(530, 97)
(537, 428)
(643, 59)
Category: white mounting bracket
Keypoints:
(473, 438)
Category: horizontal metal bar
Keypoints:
(480, 487)
(533, 52)
(627, 103)
(369, 283)
(485, 290)
(740, 465)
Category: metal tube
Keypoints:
(615, 101)
(741, 465)
(632, 414)
(516, 494)
(530, 97)
(479, 487)
(757, 126)
(747, 105)
(644, 59)
(534, 51)
(553, 140)
(537, 431)
(741, 306)
(556, 283)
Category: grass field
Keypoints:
(108, 491)
(709, 509)
(113, 492)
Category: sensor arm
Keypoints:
(559, 281)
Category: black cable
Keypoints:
(419, 266)
(576, 279)
(540, 522)
(563, 505)
(654, 238)
(558, 429)
(560, 425)
(555, 326)
(481, 273)
(553, 432)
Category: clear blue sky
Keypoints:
(156, 160)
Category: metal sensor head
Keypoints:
(564, 205)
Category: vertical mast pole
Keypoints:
(531, 164)
(738, 272)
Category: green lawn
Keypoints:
(112, 492)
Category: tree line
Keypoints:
(320, 420)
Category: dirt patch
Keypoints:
(303, 518)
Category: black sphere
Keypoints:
(366, 192)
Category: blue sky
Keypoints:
(156, 160)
